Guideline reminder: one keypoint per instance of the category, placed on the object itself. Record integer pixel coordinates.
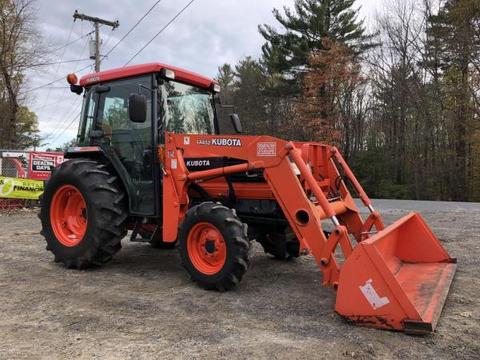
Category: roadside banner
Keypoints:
(15, 188)
(42, 163)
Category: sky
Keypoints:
(209, 33)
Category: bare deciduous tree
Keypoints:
(20, 48)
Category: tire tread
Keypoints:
(109, 206)
(228, 220)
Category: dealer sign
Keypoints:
(42, 163)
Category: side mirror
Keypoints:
(137, 108)
(77, 89)
(237, 124)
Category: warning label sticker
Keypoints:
(267, 149)
(376, 302)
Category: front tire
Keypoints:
(83, 214)
(214, 246)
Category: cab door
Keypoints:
(130, 145)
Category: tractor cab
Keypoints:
(125, 115)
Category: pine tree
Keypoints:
(226, 80)
(249, 99)
(307, 26)
(456, 28)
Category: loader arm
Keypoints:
(378, 287)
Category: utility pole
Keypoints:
(96, 22)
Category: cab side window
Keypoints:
(131, 142)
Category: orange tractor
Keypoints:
(151, 159)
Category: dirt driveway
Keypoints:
(142, 305)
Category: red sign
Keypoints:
(42, 163)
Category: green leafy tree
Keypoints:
(27, 133)
(64, 147)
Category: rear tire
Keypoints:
(83, 214)
(283, 245)
(214, 246)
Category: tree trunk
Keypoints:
(12, 109)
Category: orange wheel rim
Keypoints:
(68, 215)
(206, 248)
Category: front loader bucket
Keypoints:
(398, 279)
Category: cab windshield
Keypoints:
(186, 109)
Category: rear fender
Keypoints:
(116, 168)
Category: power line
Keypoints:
(66, 128)
(58, 131)
(74, 71)
(113, 47)
(51, 82)
(50, 104)
(72, 110)
(62, 100)
(58, 87)
(62, 78)
(132, 28)
(58, 62)
(61, 59)
(68, 39)
(59, 134)
(43, 86)
(97, 23)
(81, 54)
(72, 42)
(109, 37)
(72, 104)
(161, 30)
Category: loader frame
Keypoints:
(303, 215)
(300, 176)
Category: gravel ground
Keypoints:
(142, 305)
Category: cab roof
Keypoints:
(135, 70)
